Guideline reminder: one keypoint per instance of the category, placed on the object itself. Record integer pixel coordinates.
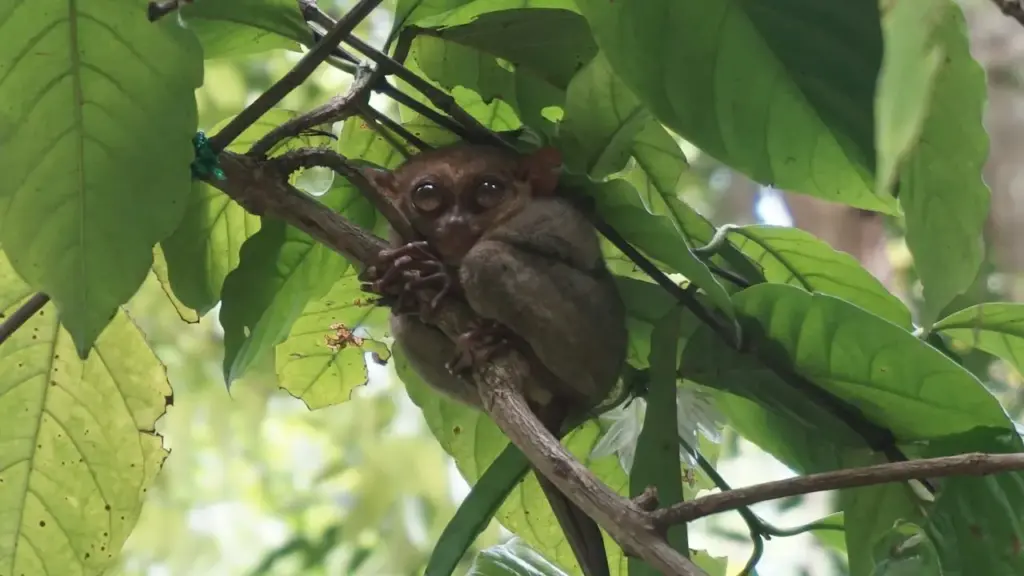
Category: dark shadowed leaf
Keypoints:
(783, 91)
(238, 27)
(96, 149)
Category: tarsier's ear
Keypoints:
(541, 169)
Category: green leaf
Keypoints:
(942, 193)
(910, 64)
(782, 91)
(619, 204)
(79, 448)
(239, 27)
(602, 118)
(995, 327)
(975, 523)
(793, 256)
(280, 271)
(321, 361)
(160, 273)
(205, 246)
(551, 43)
(477, 510)
(895, 379)
(657, 452)
(474, 442)
(96, 150)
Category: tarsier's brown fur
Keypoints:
(529, 263)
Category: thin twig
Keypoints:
(337, 108)
(390, 137)
(973, 464)
(309, 157)
(296, 76)
(375, 116)
(22, 314)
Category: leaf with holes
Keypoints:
(96, 124)
(782, 91)
(474, 442)
(79, 447)
(942, 193)
(792, 256)
(321, 361)
(281, 269)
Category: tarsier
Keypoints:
(493, 231)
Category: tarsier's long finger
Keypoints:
(414, 250)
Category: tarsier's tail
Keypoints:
(581, 531)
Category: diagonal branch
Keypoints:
(974, 464)
(1012, 8)
(22, 314)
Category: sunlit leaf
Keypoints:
(160, 273)
(79, 447)
(793, 256)
(96, 126)
(941, 190)
(995, 327)
(321, 361)
(239, 27)
(512, 559)
(783, 91)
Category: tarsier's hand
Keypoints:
(477, 346)
(403, 273)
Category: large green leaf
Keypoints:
(322, 360)
(474, 442)
(995, 327)
(906, 551)
(238, 27)
(205, 246)
(783, 91)
(941, 190)
(792, 256)
(602, 118)
(895, 379)
(96, 125)
(79, 448)
(280, 271)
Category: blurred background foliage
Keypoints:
(257, 484)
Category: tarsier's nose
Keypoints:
(457, 236)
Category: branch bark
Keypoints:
(973, 464)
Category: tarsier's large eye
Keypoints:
(426, 197)
(490, 193)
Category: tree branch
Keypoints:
(973, 464)
(1012, 8)
(295, 76)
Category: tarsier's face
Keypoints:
(453, 196)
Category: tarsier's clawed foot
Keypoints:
(402, 273)
(479, 345)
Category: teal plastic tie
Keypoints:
(206, 162)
